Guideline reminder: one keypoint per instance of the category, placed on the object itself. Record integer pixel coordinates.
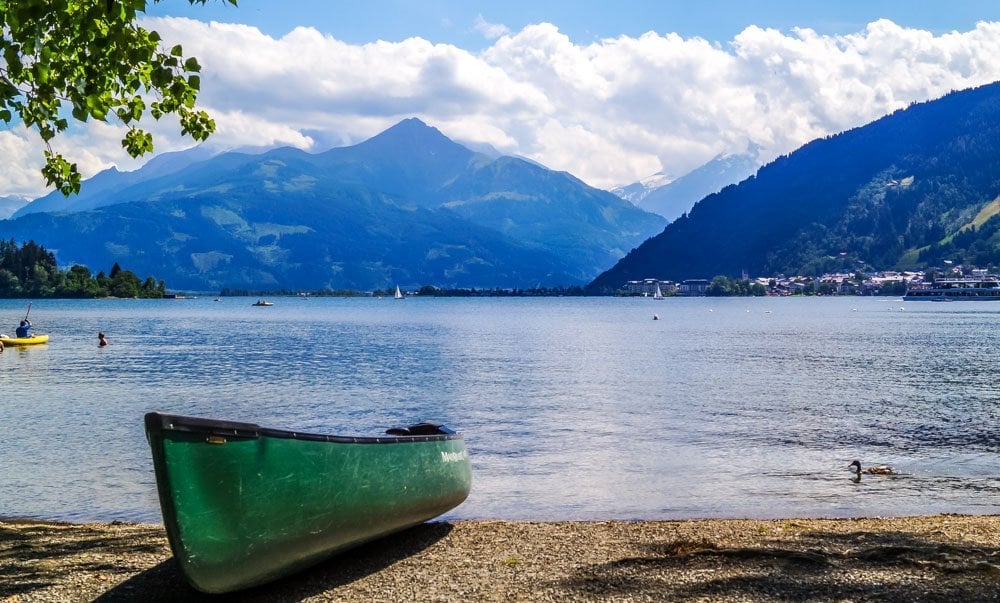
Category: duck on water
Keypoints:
(873, 470)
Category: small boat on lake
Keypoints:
(262, 302)
(243, 504)
(34, 340)
(399, 294)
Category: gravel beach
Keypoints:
(932, 558)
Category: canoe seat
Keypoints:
(420, 429)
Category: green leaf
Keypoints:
(138, 142)
(61, 173)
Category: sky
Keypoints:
(611, 92)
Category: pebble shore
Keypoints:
(930, 558)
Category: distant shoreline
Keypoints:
(936, 557)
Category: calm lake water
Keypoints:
(572, 408)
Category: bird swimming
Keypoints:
(874, 470)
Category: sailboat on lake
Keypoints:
(399, 294)
(658, 294)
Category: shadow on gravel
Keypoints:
(818, 566)
(166, 583)
(33, 558)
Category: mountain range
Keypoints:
(407, 206)
(673, 197)
(915, 189)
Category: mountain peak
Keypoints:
(410, 153)
(412, 123)
(410, 134)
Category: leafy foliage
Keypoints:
(725, 286)
(906, 191)
(91, 57)
(30, 271)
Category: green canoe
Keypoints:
(243, 504)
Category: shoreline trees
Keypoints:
(30, 270)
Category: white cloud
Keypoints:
(20, 170)
(491, 31)
(610, 112)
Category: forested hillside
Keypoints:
(910, 190)
(30, 270)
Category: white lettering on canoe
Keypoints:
(454, 457)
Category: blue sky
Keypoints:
(612, 92)
(453, 21)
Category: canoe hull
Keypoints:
(37, 339)
(244, 505)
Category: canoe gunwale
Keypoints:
(159, 423)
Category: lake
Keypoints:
(572, 408)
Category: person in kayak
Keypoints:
(24, 331)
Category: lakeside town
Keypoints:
(857, 283)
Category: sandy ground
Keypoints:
(935, 558)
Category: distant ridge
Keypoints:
(673, 197)
(101, 189)
(10, 204)
(637, 191)
(677, 197)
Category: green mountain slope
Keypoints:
(257, 239)
(548, 210)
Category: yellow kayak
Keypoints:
(24, 340)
